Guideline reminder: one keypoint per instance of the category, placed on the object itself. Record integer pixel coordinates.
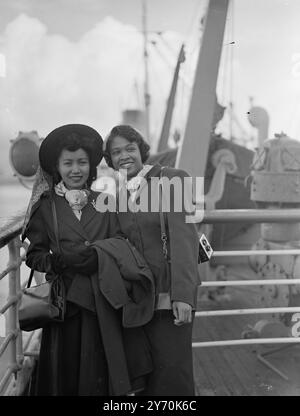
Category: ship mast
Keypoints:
(146, 79)
(192, 155)
(164, 136)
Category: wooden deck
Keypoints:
(236, 370)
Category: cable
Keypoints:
(231, 62)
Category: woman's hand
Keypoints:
(182, 312)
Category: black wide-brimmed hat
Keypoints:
(48, 153)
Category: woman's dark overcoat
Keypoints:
(73, 354)
(170, 344)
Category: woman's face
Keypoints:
(126, 155)
(74, 168)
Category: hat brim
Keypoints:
(48, 153)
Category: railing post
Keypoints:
(19, 341)
(12, 313)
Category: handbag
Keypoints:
(41, 304)
(45, 302)
(205, 250)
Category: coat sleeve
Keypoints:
(183, 242)
(38, 253)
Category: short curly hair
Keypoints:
(74, 142)
(130, 134)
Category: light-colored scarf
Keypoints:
(43, 182)
(77, 198)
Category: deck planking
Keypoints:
(236, 370)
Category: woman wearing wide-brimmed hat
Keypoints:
(75, 356)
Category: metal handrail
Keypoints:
(251, 341)
(249, 311)
(257, 282)
(236, 253)
(250, 216)
(289, 215)
(11, 229)
(12, 342)
(9, 235)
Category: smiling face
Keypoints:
(126, 155)
(74, 168)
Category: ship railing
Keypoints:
(252, 216)
(20, 355)
(17, 353)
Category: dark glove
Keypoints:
(57, 263)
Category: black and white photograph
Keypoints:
(149, 201)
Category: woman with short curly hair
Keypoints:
(169, 333)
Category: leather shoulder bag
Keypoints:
(45, 302)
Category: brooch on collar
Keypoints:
(77, 198)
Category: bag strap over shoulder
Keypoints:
(163, 231)
(163, 228)
(55, 225)
(30, 277)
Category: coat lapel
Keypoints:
(66, 216)
(88, 212)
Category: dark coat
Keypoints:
(143, 230)
(75, 238)
(127, 282)
(170, 345)
(87, 309)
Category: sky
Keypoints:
(64, 61)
